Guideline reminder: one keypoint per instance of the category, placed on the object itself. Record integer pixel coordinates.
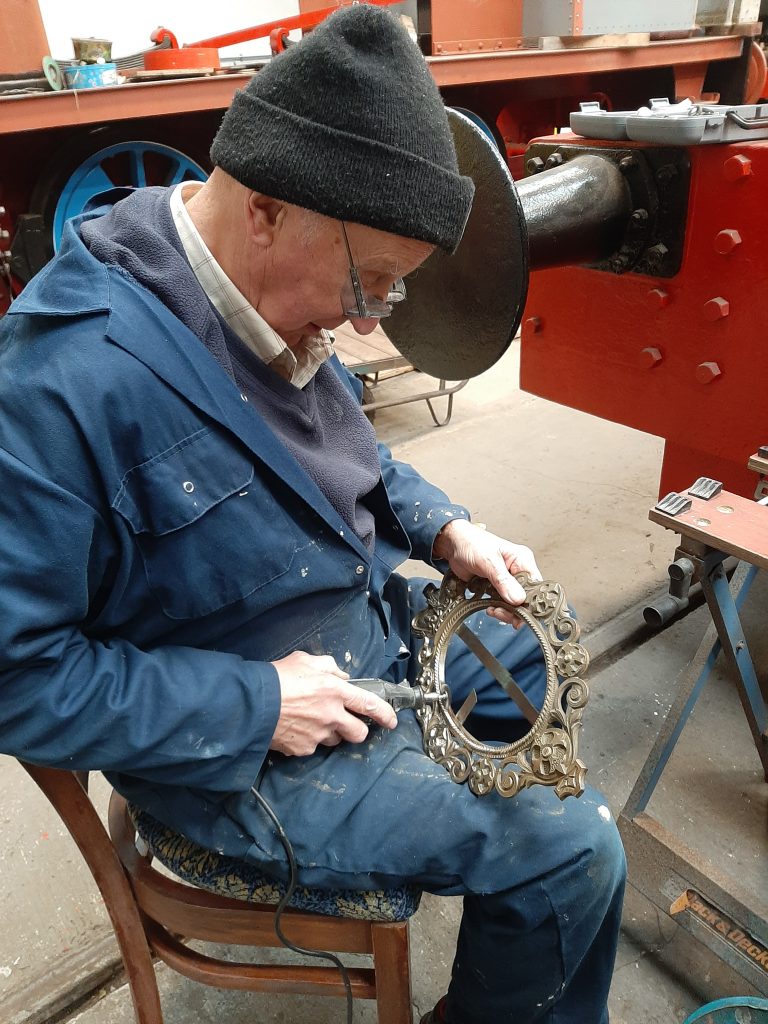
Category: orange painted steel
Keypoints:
(296, 21)
(757, 76)
(493, 25)
(305, 6)
(578, 17)
(185, 58)
(119, 103)
(475, 68)
(587, 334)
(94, 106)
(21, 51)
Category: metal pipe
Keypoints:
(682, 594)
(575, 213)
(676, 599)
(666, 607)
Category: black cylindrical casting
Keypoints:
(575, 213)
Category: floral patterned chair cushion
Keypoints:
(228, 876)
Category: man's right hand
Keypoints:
(318, 706)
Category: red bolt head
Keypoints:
(737, 167)
(534, 324)
(658, 298)
(650, 357)
(707, 372)
(717, 308)
(727, 240)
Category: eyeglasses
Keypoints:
(359, 305)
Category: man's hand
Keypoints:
(471, 551)
(318, 706)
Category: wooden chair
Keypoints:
(153, 915)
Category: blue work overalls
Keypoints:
(159, 547)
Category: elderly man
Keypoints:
(199, 534)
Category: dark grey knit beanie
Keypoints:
(349, 123)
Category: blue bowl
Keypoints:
(90, 76)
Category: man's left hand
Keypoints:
(471, 551)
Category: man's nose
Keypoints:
(364, 326)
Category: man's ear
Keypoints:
(264, 218)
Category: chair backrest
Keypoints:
(68, 793)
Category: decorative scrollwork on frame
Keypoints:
(548, 754)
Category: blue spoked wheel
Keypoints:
(126, 163)
(101, 161)
(739, 1010)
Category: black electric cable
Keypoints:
(285, 899)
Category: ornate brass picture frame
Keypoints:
(548, 754)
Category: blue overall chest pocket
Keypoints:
(209, 531)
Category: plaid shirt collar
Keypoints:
(298, 365)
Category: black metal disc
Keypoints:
(463, 310)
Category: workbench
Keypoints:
(720, 908)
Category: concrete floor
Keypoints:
(577, 490)
(714, 758)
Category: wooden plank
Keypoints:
(738, 526)
(584, 42)
(393, 975)
(360, 351)
(376, 342)
(195, 916)
(372, 353)
(274, 978)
